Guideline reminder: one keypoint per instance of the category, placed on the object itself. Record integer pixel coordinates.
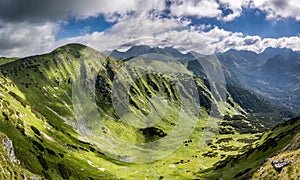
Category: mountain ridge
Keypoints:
(246, 69)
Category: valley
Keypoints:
(76, 113)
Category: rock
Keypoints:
(172, 166)
(101, 169)
(24, 176)
(278, 165)
(34, 178)
(260, 169)
(8, 146)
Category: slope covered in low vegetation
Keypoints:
(37, 104)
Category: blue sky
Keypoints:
(251, 22)
(254, 22)
(206, 26)
(74, 27)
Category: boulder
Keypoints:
(278, 165)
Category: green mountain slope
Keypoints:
(9, 164)
(284, 165)
(281, 144)
(4, 60)
(38, 115)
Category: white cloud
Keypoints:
(115, 10)
(120, 10)
(140, 27)
(203, 42)
(33, 29)
(127, 31)
(175, 32)
(258, 3)
(41, 11)
(209, 8)
(19, 36)
(21, 39)
(284, 42)
(28, 40)
(235, 6)
(199, 9)
(277, 9)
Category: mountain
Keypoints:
(282, 69)
(132, 52)
(256, 72)
(274, 156)
(271, 52)
(143, 50)
(4, 60)
(44, 144)
(248, 62)
(76, 113)
(263, 56)
(273, 74)
(280, 79)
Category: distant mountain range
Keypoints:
(143, 49)
(274, 73)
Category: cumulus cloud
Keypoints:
(30, 27)
(277, 9)
(116, 10)
(209, 8)
(37, 10)
(288, 42)
(251, 40)
(127, 31)
(200, 9)
(235, 6)
(21, 39)
(166, 32)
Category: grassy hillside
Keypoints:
(9, 164)
(279, 144)
(4, 60)
(37, 103)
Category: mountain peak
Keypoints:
(268, 49)
(73, 45)
(73, 48)
(143, 49)
(239, 51)
(271, 52)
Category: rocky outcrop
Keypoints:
(278, 165)
(8, 146)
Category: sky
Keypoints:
(207, 26)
